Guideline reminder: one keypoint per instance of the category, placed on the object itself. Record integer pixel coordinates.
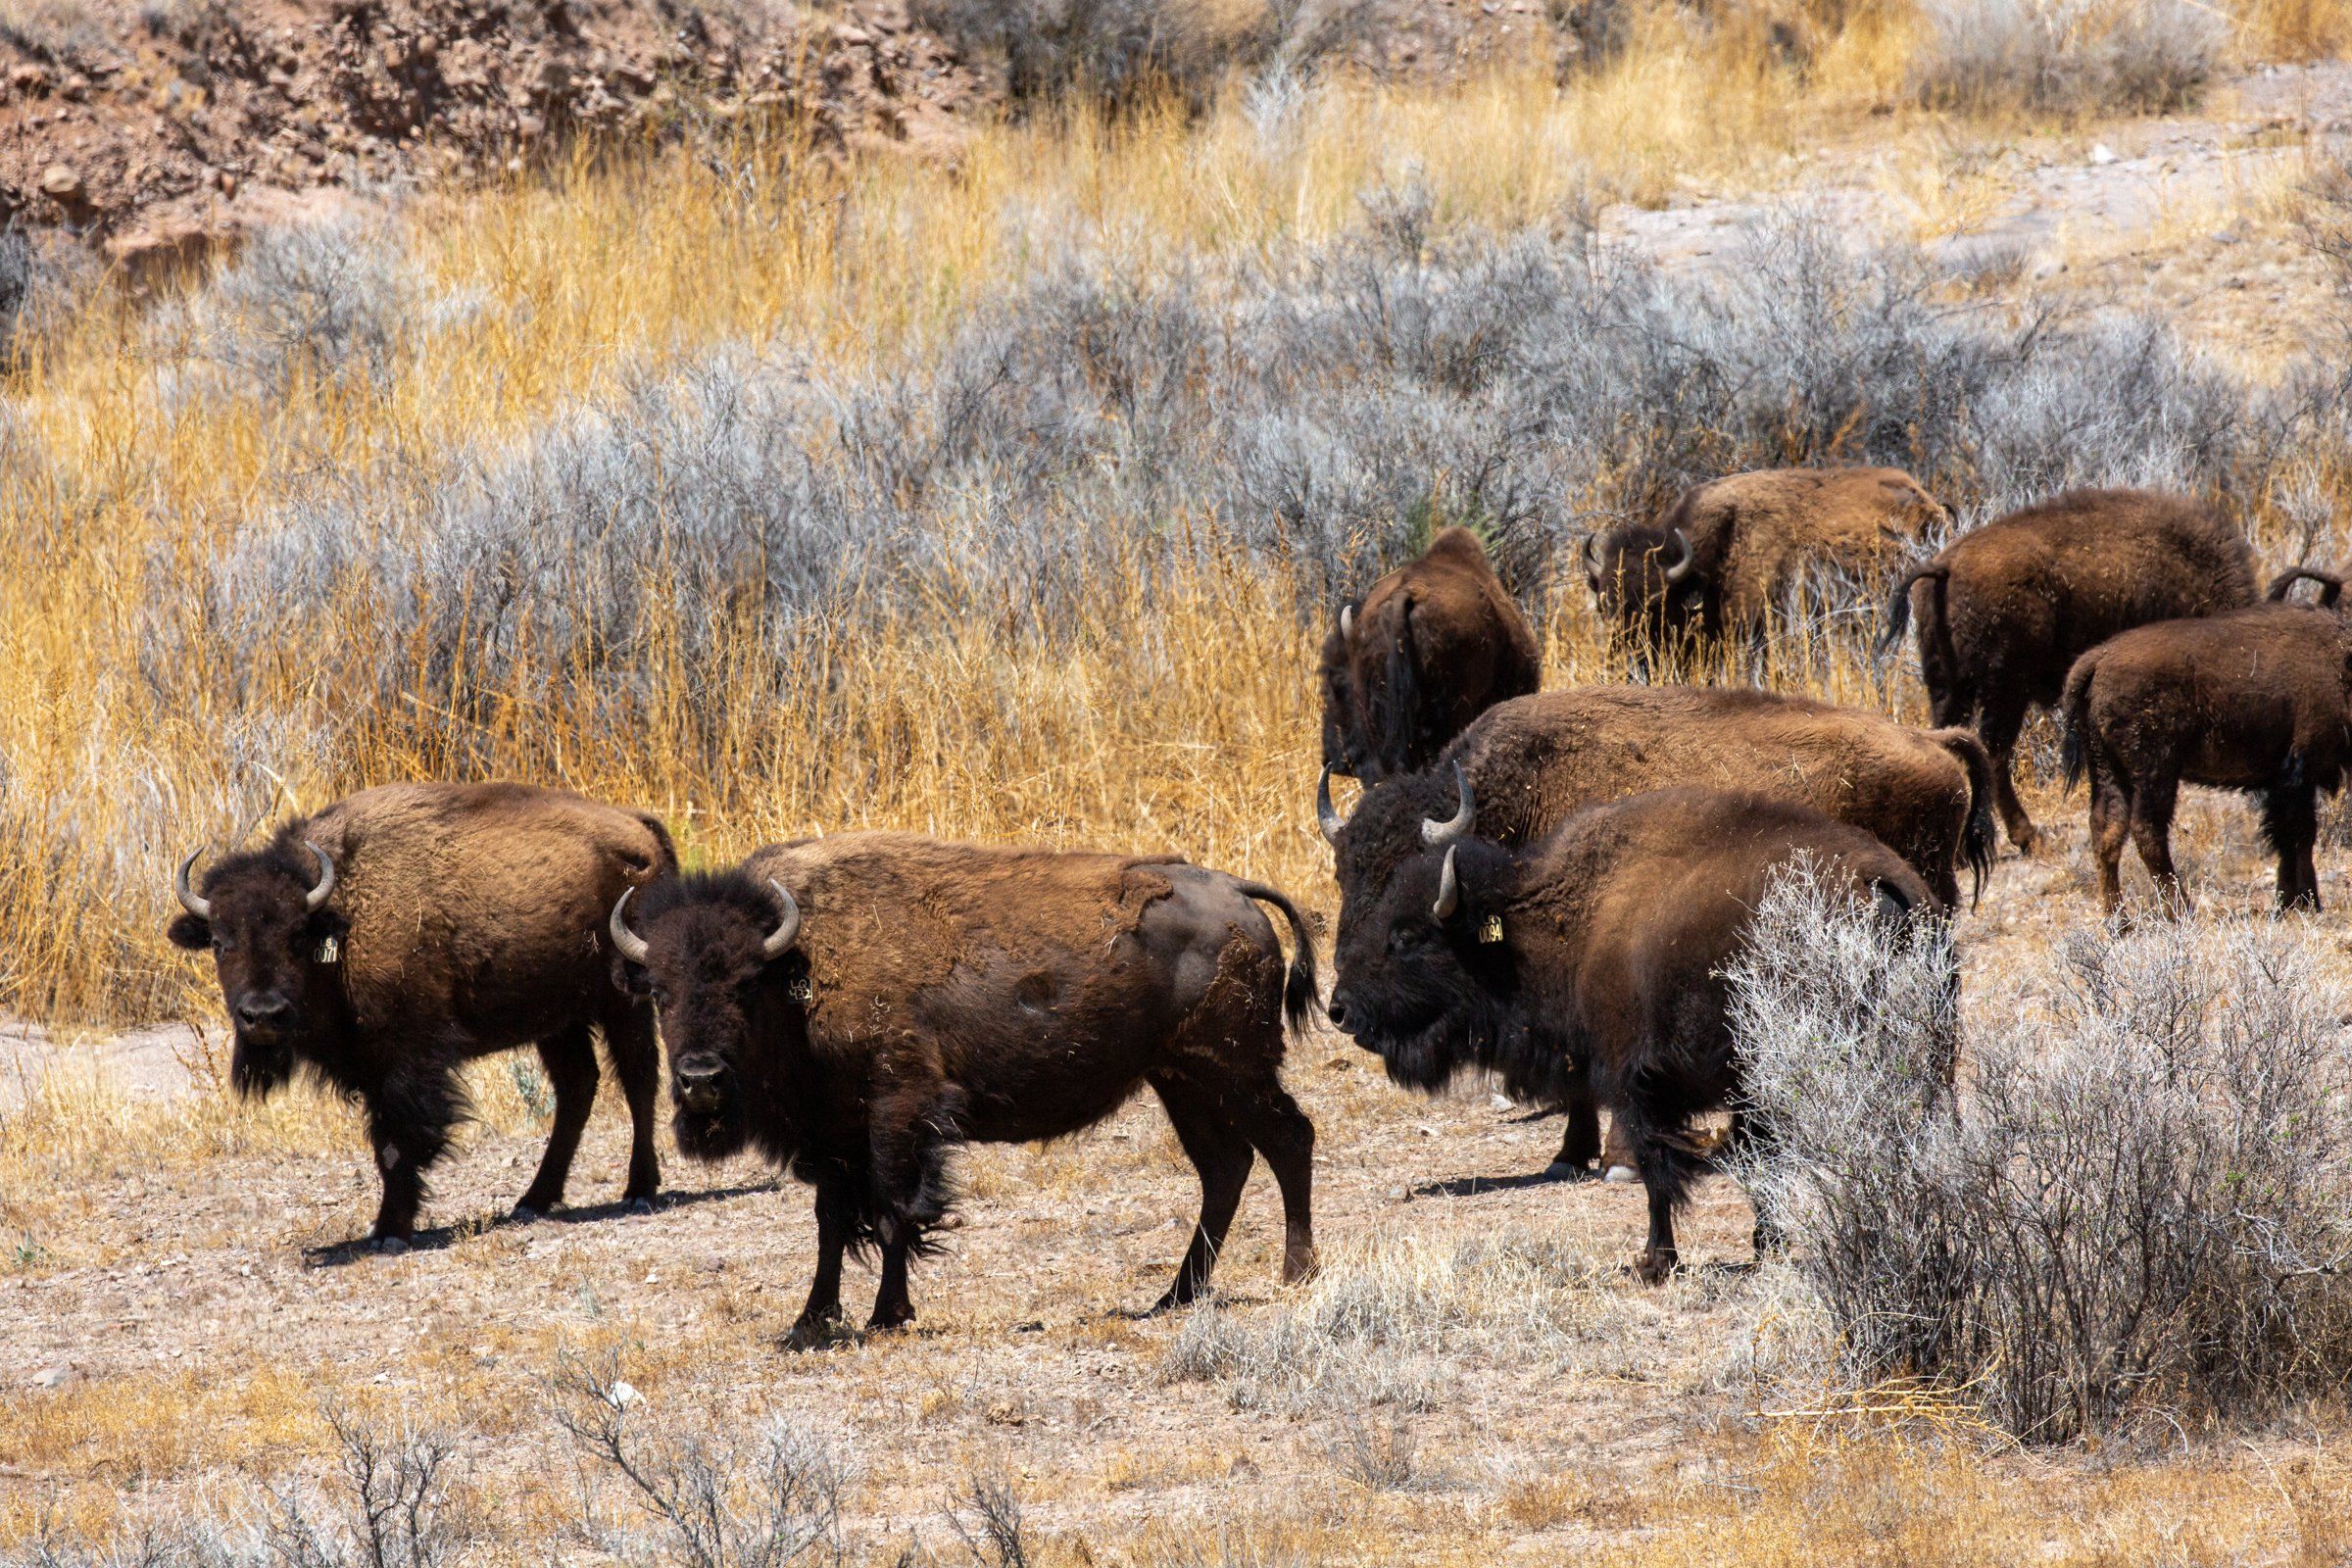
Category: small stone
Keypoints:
(62, 181)
(64, 1375)
(2102, 155)
(1400, 1195)
(1499, 1102)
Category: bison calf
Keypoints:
(407, 930)
(1735, 551)
(2005, 610)
(853, 1007)
(1590, 962)
(1434, 644)
(2257, 700)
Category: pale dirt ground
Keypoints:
(200, 1328)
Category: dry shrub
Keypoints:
(2068, 57)
(2137, 1205)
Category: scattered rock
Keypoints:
(64, 1375)
(62, 181)
(2102, 155)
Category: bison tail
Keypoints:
(1300, 990)
(1979, 834)
(2074, 711)
(1898, 603)
(2332, 586)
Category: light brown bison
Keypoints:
(1534, 761)
(403, 931)
(1732, 553)
(1590, 963)
(1435, 643)
(2257, 700)
(2005, 610)
(854, 1007)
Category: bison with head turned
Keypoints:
(854, 1007)
(2005, 609)
(1433, 645)
(2258, 700)
(1533, 762)
(1591, 962)
(1733, 552)
(399, 933)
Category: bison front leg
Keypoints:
(894, 1303)
(1580, 1140)
(408, 1126)
(637, 1063)
(819, 1321)
(2290, 820)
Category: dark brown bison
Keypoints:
(1534, 761)
(1435, 643)
(1590, 963)
(398, 934)
(853, 1006)
(1733, 552)
(2005, 610)
(2257, 700)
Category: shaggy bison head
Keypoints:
(715, 954)
(1644, 585)
(1422, 979)
(274, 944)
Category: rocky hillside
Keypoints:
(153, 130)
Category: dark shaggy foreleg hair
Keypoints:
(410, 1118)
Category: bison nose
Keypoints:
(260, 1011)
(698, 1087)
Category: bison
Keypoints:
(1534, 761)
(1590, 962)
(1435, 644)
(2257, 700)
(1732, 552)
(406, 930)
(853, 1006)
(2005, 610)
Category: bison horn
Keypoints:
(326, 879)
(201, 909)
(1434, 832)
(1326, 814)
(625, 942)
(1680, 568)
(1449, 888)
(788, 925)
(1593, 554)
(1346, 623)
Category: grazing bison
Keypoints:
(407, 930)
(1435, 644)
(1534, 761)
(2005, 610)
(853, 1007)
(1591, 961)
(2257, 700)
(1732, 552)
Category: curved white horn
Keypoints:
(625, 942)
(1434, 832)
(326, 878)
(1449, 888)
(1591, 553)
(788, 925)
(1680, 568)
(1326, 816)
(1346, 623)
(201, 909)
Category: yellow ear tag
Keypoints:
(332, 951)
(1492, 931)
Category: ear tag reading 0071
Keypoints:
(1492, 931)
(332, 951)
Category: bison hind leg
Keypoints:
(570, 1064)
(1221, 1153)
(2291, 823)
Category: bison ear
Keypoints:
(191, 933)
(631, 978)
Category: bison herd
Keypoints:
(1547, 886)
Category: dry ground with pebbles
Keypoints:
(176, 1310)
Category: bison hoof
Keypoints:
(526, 1215)
(1620, 1175)
(641, 1206)
(388, 1245)
(1567, 1170)
(816, 1333)
(1656, 1267)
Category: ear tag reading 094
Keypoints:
(1492, 931)
(332, 951)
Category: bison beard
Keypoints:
(942, 994)
(1590, 963)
